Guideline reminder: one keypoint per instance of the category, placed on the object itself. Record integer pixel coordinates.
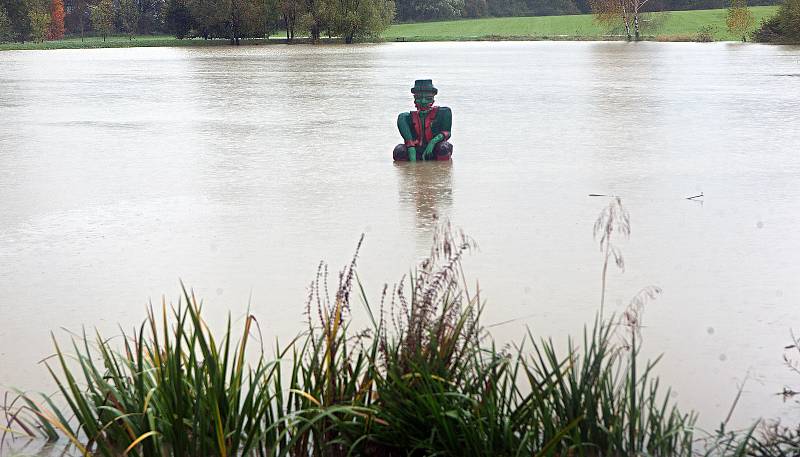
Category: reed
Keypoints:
(423, 378)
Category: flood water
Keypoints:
(236, 170)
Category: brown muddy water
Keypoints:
(123, 171)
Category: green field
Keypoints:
(672, 25)
(667, 26)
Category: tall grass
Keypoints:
(424, 378)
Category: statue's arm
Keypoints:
(445, 118)
(447, 121)
(404, 125)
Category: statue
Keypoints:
(425, 130)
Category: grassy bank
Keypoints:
(125, 42)
(667, 26)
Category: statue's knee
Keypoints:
(400, 152)
(443, 150)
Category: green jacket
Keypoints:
(417, 130)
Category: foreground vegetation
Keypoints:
(423, 378)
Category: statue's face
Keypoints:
(423, 100)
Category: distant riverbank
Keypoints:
(665, 26)
(698, 25)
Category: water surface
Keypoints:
(238, 169)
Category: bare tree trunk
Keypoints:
(288, 28)
(625, 20)
(637, 7)
(315, 33)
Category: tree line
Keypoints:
(31, 20)
(39, 20)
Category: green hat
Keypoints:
(424, 85)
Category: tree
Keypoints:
(500, 8)
(253, 18)
(784, 27)
(314, 18)
(39, 18)
(439, 9)
(102, 16)
(56, 30)
(129, 17)
(6, 30)
(552, 7)
(178, 19)
(616, 12)
(207, 18)
(361, 18)
(290, 11)
(272, 16)
(415, 10)
(17, 12)
(475, 8)
(241, 18)
(740, 20)
(78, 17)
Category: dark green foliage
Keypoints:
(151, 16)
(17, 13)
(6, 29)
(705, 34)
(475, 8)
(682, 5)
(428, 10)
(206, 16)
(553, 7)
(769, 31)
(77, 19)
(356, 19)
(102, 16)
(422, 10)
(784, 27)
(178, 18)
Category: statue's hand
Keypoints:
(412, 154)
(428, 154)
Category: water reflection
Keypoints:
(35, 447)
(427, 188)
(239, 168)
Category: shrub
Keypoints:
(705, 34)
(784, 27)
(424, 378)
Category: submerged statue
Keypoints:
(425, 130)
